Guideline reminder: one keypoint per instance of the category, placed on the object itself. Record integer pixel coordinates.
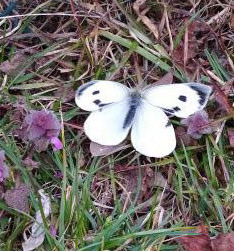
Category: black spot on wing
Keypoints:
(168, 123)
(96, 92)
(182, 98)
(176, 108)
(102, 105)
(168, 110)
(201, 93)
(172, 111)
(134, 103)
(97, 101)
(82, 88)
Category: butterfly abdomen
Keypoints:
(134, 102)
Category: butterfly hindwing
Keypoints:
(180, 100)
(152, 133)
(108, 126)
(94, 95)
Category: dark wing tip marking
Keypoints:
(182, 98)
(96, 92)
(202, 93)
(82, 88)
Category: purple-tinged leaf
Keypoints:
(4, 169)
(42, 128)
(198, 124)
(18, 198)
(231, 137)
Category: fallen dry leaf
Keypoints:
(182, 136)
(4, 169)
(92, 7)
(101, 150)
(232, 22)
(231, 137)
(38, 231)
(186, 54)
(66, 93)
(137, 6)
(130, 180)
(165, 80)
(223, 242)
(197, 242)
(188, 48)
(1, 191)
(222, 99)
(102, 192)
(10, 67)
(18, 198)
(203, 242)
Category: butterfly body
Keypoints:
(134, 100)
(117, 109)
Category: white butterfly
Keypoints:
(115, 109)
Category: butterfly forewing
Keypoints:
(180, 100)
(152, 133)
(94, 95)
